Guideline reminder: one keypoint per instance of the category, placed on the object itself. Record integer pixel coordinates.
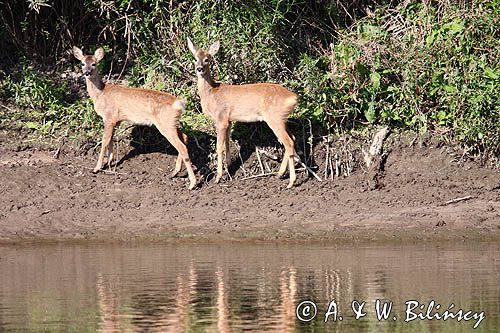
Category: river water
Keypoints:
(253, 287)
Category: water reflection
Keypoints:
(237, 287)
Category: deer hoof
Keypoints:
(96, 170)
(192, 185)
(290, 185)
(217, 179)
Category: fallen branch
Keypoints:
(457, 200)
(260, 175)
(260, 162)
(308, 169)
(57, 152)
(6, 107)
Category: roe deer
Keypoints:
(139, 106)
(226, 103)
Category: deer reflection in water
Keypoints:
(108, 307)
(179, 314)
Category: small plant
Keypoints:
(47, 110)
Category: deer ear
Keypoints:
(78, 53)
(193, 48)
(214, 48)
(99, 54)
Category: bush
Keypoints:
(47, 107)
(426, 66)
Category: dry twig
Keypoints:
(457, 200)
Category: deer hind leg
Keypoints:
(281, 132)
(106, 138)
(178, 166)
(110, 152)
(170, 132)
(286, 158)
(222, 130)
(226, 147)
(178, 162)
(284, 164)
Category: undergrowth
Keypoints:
(430, 67)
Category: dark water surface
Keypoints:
(234, 287)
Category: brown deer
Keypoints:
(226, 103)
(139, 106)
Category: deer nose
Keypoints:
(87, 72)
(199, 69)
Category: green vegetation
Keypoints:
(425, 66)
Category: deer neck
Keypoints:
(205, 85)
(95, 86)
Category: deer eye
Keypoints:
(205, 61)
(93, 65)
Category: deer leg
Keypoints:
(110, 152)
(221, 138)
(178, 162)
(173, 137)
(106, 138)
(284, 164)
(178, 166)
(280, 130)
(226, 147)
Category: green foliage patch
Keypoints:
(424, 66)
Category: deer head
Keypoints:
(203, 58)
(89, 62)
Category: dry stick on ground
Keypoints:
(337, 166)
(457, 200)
(345, 153)
(197, 143)
(327, 156)
(109, 172)
(58, 151)
(267, 174)
(6, 107)
(238, 147)
(260, 162)
(259, 175)
(268, 154)
(267, 166)
(308, 169)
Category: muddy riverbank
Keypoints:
(423, 193)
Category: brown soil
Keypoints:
(43, 198)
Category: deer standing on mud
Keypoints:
(226, 103)
(139, 106)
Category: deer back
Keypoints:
(249, 102)
(138, 106)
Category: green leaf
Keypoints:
(375, 79)
(454, 27)
(370, 112)
(449, 88)
(32, 125)
(490, 73)
(429, 40)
